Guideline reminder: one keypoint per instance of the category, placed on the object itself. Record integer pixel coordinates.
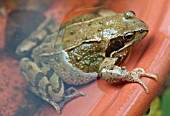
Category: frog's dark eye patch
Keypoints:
(113, 46)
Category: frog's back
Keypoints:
(97, 29)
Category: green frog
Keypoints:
(83, 49)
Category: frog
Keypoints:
(80, 51)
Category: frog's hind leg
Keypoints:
(58, 106)
(40, 85)
(47, 86)
(55, 105)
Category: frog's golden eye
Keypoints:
(128, 36)
(129, 14)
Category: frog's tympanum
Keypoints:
(84, 48)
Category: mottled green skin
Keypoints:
(87, 57)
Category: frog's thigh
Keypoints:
(54, 104)
(106, 12)
(40, 82)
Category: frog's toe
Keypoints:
(69, 97)
(82, 93)
(138, 80)
(141, 72)
(56, 106)
(72, 90)
(151, 76)
(74, 95)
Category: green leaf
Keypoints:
(165, 103)
(155, 108)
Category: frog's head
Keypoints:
(130, 30)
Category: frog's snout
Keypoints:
(144, 26)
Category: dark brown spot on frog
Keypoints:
(49, 73)
(47, 91)
(90, 24)
(57, 90)
(99, 30)
(38, 77)
(72, 32)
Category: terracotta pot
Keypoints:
(152, 54)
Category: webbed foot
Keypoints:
(71, 93)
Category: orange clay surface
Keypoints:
(152, 54)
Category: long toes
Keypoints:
(151, 76)
(83, 94)
(144, 86)
(77, 94)
(71, 90)
(139, 70)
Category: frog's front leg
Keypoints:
(113, 73)
(46, 85)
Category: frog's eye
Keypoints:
(129, 14)
(128, 36)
